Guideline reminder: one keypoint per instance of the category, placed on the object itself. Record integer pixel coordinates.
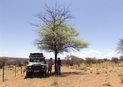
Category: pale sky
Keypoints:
(100, 22)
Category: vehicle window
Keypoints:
(36, 59)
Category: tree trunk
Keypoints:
(56, 70)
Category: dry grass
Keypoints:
(95, 75)
(121, 77)
(54, 81)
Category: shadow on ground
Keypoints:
(63, 74)
(36, 75)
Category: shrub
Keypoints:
(114, 60)
(90, 60)
(121, 77)
(1, 65)
(107, 84)
(98, 73)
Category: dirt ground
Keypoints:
(84, 76)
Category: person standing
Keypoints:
(50, 64)
(59, 64)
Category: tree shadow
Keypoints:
(65, 74)
(36, 75)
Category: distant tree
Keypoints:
(76, 60)
(90, 60)
(114, 60)
(120, 46)
(1, 65)
(105, 59)
(55, 35)
(100, 60)
(121, 58)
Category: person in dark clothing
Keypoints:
(59, 64)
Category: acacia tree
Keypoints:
(55, 35)
(120, 46)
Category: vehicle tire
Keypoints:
(45, 74)
(28, 74)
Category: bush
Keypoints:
(1, 65)
(91, 60)
(107, 84)
(73, 60)
(121, 77)
(114, 60)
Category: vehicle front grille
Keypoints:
(35, 67)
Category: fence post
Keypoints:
(15, 70)
(21, 69)
(3, 72)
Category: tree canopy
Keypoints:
(59, 39)
(55, 34)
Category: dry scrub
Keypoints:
(93, 75)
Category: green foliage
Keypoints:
(61, 38)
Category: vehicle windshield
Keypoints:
(36, 59)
